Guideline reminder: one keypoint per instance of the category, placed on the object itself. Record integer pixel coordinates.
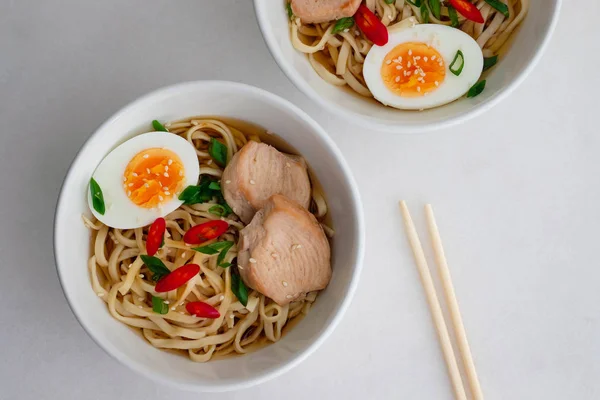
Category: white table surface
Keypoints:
(516, 192)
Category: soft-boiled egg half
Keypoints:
(423, 66)
(141, 179)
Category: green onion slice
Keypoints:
(156, 266)
(219, 247)
(158, 126)
(205, 250)
(458, 58)
(342, 24)
(97, 197)
(239, 289)
(436, 8)
(500, 6)
(476, 89)
(416, 3)
(196, 194)
(223, 204)
(218, 151)
(489, 62)
(159, 306)
(201, 193)
(217, 210)
(223, 253)
(214, 248)
(453, 17)
(424, 13)
(290, 13)
(205, 191)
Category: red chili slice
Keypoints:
(177, 278)
(206, 231)
(468, 10)
(155, 236)
(371, 26)
(202, 310)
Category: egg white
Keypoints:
(120, 211)
(447, 41)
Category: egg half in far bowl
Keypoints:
(423, 66)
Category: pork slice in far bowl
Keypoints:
(315, 12)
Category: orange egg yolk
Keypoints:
(153, 177)
(413, 69)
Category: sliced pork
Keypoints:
(257, 172)
(284, 253)
(317, 11)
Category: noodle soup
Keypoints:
(180, 274)
(409, 55)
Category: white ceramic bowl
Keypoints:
(527, 47)
(72, 247)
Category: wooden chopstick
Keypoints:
(434, 304)
(457, 323)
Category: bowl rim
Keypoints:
(359, 250)
(372, 123)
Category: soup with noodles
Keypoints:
(407, 54)
(205, 239)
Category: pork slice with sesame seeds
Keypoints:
(303, 260)
(317, 11)
(250, 183)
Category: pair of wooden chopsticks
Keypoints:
(436, 309)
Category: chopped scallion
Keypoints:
(217, 210)
(453, 17)
(436, 8)
(500, 6)
(97, 197)
(158, 126)
(195, 194)
(489, 62)
(223, 253)
(213, 248)
(457, 65)
(342, 24)
(218, 151)
(205, 250)
(204, 192)
(219, 247)
(159, 306)
(424, 13)
(476, 89)
(156, 266)
(239, 289)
